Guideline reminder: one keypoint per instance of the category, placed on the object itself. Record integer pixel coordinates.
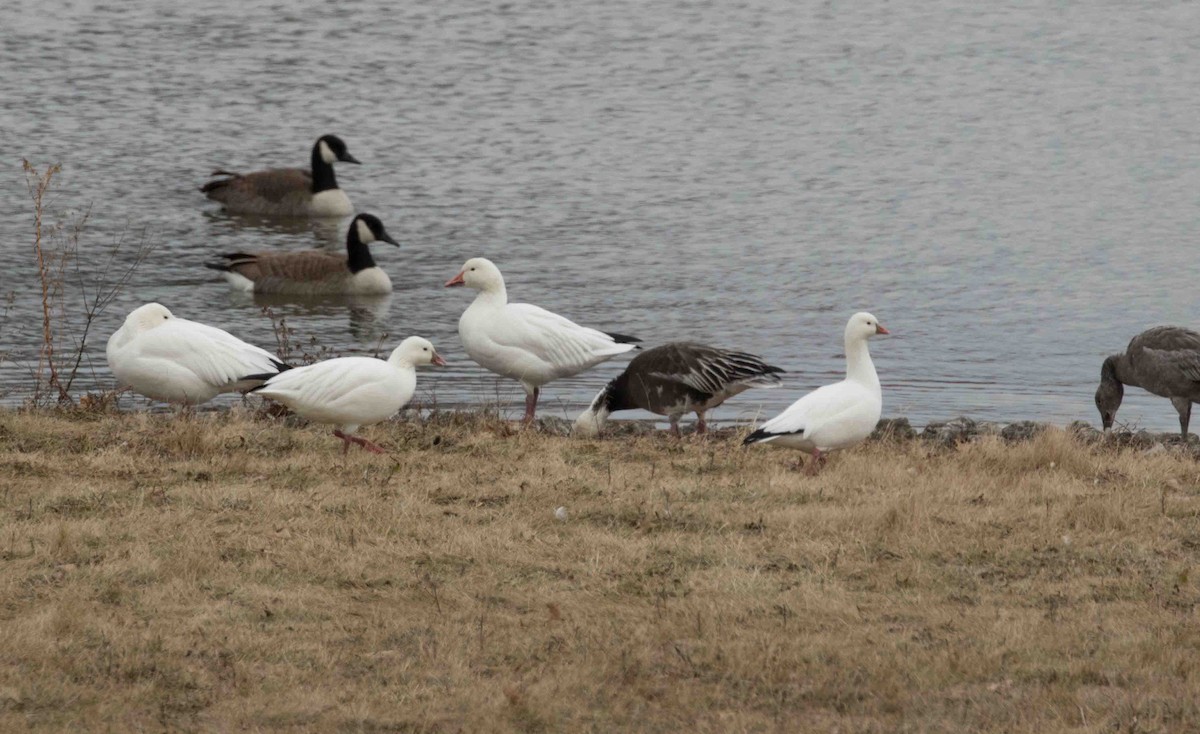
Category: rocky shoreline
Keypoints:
(945, 434)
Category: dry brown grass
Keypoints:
(222, 573)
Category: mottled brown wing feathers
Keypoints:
(274, 185)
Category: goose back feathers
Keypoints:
(179, 361)
(678, 378)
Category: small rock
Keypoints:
(1022, 430)
(950, 433)
(1155, 450)
(1084, 432)
(561, 514)
(893, 429)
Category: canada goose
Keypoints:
(353, 391)
(313, 272)
(287, 192)
(525, 342)
(1165, 361)
(179, 361)
(678, 378)
(835, 416)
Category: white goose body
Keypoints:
(835, 416)
(179, 361)
(525, 342)
(351, 392)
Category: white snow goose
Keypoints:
(313, 272)
(524, 342)
(1165, 361)
(287, 192)
(678, 378)
(835, 416)
(183, 362)
(353, 391)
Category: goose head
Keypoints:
(1109, 394)
(369, 229)
(333, 149)
(478, 273)
(416, 351)
(862, 326)
(144, 318)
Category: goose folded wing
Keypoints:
(556, 340)
(1184, 362)
(713, 371)
(216, 357)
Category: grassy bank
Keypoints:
(222, 573)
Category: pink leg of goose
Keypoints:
(701, 426)
(366, 444)
(818, 461)
(531, 405)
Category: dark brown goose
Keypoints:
(678, 378)
(288, 192)
(313, 272)
(1164, 360)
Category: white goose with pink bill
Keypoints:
(523, 342)
(678, 378)
(835, 416)
(350, 392)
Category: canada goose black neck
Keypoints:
(358, 254)
(323, 178)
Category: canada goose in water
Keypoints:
(313, 272)
(1165, 361)
(678, 378)
(287, 192)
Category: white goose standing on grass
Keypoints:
(313, 272)
(287, 192)
(179, 361)
(524, 342)
(835, 416)
(353, 391)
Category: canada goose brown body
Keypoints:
(313, 272)
(287, 192)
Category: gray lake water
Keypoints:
(1010, 187)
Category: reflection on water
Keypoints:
(1011, 189)
(365, 315)
(321, 233)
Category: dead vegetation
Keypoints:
(225, 572)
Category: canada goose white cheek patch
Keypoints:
(326, 153)
(365, 234)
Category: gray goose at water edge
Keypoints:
(1163, 360)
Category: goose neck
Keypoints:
(358, 254)
(323, 178)
(1117, 369)
(494, 295)
(859, 366)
